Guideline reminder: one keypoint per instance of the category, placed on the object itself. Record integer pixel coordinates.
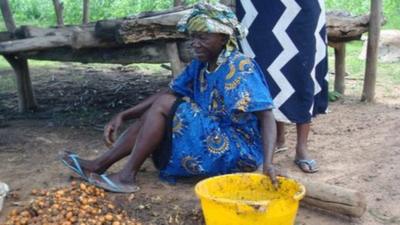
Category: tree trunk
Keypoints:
(368, 93)
(26, 97)
(59, 7)
(340, 67)
(7, 16)
(86, 12)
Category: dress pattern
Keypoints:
(215, 130)
(288, 40)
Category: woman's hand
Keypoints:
(111, 129)
(271, 171)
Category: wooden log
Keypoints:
(343, 27)
(32, 31)
(151, 28)
(30, 44)
(6, 36)
(333, 199)
(74, 38)
(59, 8)
(154, 52)
(107, 29)
(88, 39)
(368, 93)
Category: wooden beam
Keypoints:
(86, 11)
(368, 93)
(59, 8)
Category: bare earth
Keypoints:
(356, 145)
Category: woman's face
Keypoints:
(207, 46)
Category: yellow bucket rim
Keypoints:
(297, 197)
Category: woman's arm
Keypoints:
(136, 111)
(268, 133)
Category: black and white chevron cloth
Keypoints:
(288, 40)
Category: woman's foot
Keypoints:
(115, 182)
(306, 164)
(83, 168)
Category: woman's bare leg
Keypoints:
(148, 139)
(281, 139)
(120, 149)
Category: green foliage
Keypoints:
(41, 12)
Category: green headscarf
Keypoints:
(213, 18)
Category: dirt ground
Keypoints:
(356, 145)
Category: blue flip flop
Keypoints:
(102, 181)
(75, 167)
(310, 163)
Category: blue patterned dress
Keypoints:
(214, 129)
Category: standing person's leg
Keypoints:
(121, 148)
(301, 159)
(149, 138)
(280, 137)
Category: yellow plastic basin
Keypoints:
(249, 199)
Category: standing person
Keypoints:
(215, 118)
(288, 40)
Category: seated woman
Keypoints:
(215, 118)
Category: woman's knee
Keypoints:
(164, 103)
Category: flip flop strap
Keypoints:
(76, 163)
(109, 182)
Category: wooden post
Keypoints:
(26, 97)
(59, 7)
(26, 100)
(8, 18)
(368, 93)
(340, 67)
(86, 12)
(173, 54)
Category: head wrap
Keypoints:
(213, 18)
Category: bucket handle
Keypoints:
(300, 194)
